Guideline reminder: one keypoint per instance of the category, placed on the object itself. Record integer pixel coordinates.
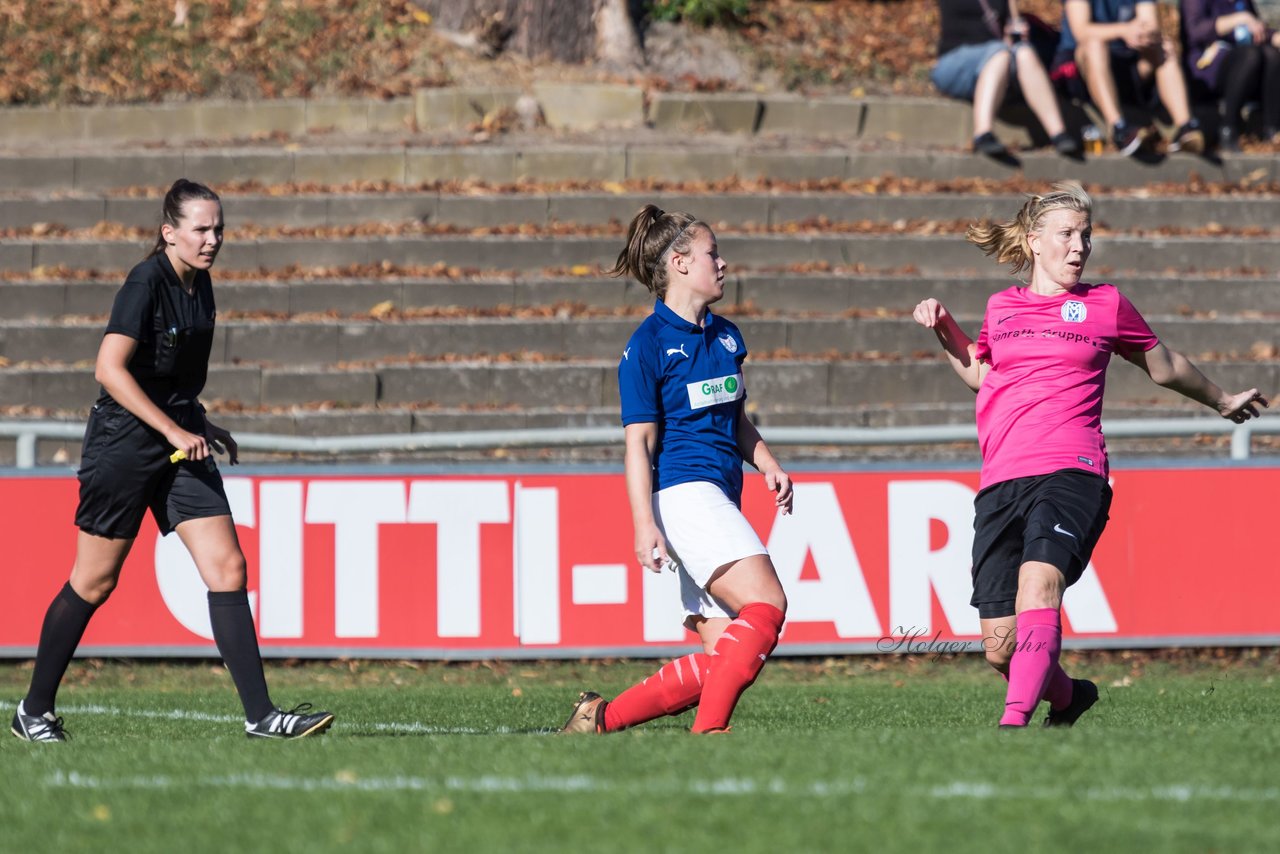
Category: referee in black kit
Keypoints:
(148, 444)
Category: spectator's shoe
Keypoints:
(588, 714)
(298, 722)
(1066, 145)
(1130, 140)
(44, 727)
(1228, 140)
(1189, 138)
(989, 145)
(1083, 695)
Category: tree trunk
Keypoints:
(562, 30)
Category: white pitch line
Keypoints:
(1176, 793)
(412, 727)
(723, 787)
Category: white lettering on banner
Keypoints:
(840, 594)
(355, 508)
(458, 508)
(1086, 605)
(536, 541)
(183, 591)
(280, 559)
(914, 569)
(663, 613)
(599, 584)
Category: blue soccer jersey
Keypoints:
(688, 380)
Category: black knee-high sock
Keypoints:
(238, 645)
(64, 625)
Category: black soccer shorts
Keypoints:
(1054, 518)
(125, 470)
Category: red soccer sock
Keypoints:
(735, 663)
(675, 687)
(1034, 659)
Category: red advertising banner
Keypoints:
(540, 565)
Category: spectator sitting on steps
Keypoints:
(1235, 57)
(983, 49)
(1117, 48)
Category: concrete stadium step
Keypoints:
(925, 254)
(784, 292)
(586, 383)
(692, 158)
(331, 342)
(1153, 209)
(600, 109)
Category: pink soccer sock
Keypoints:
(675, 687)
(735, 663)
(1034, 660)
(1059, 690)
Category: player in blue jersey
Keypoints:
(687, 434)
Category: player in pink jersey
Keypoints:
(1039, 369)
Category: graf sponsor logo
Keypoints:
(706, 393)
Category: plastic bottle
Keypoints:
(1241, 32)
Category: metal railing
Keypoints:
(29, 433)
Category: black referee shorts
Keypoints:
(1054, 518)
(125, 469)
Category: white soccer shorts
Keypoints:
(705, 531)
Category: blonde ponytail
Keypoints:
(1007, 241)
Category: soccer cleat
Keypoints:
(1083, 695)
(298, 722)
(715, 730)
(588, 714)
(44, 727)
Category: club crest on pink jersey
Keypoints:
(1073, 311)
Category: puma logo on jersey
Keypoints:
(626, 354)
(671, 351)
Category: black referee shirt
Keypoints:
(174, 331)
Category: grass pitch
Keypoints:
(855, 754)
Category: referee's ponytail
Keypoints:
(179, 194)
(653, 234)
(1007, 241)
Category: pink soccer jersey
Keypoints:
(1039, 408)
